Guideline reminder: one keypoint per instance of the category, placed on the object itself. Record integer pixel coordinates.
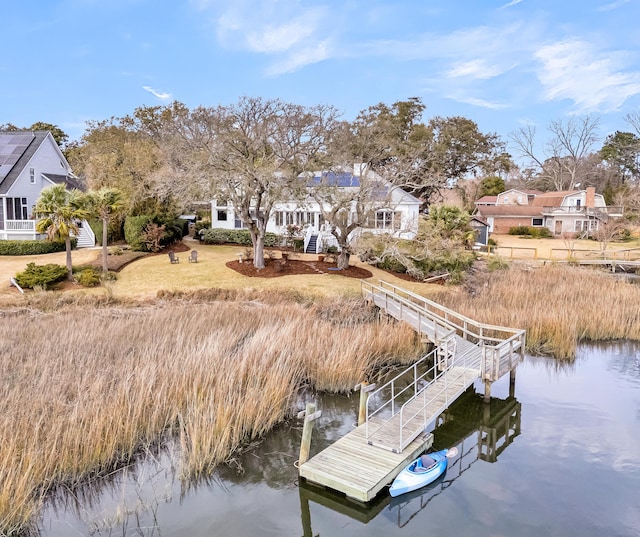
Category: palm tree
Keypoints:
(58, 211)
(106, 203)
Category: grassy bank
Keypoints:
(557, 305)
(87, 387)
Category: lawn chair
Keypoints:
(193, 256)
(173, 258)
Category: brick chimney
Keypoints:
(590, 201)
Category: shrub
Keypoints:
(32, 247)
(108, 276)
(174, 229)
(201, 225)
(530, 231)
(392, 265)
(96, 226)
(236, 236)
(88, 277)
(133, 230)
(497, 263)
(519, 230)
(152, 237)
(41, 275)
(540, 233)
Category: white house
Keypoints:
(29, 162)
(576, 211)
(397, 213)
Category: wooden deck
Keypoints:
(366, 460)
(360, 471)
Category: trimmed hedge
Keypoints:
(33, 247)
(236, 236)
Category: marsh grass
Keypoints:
(87, 387)
(558, 306)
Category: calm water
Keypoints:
(559, 457)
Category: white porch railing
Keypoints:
(20, 225)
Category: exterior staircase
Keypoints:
(312, 246)
(86, 238)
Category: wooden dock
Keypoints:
(362, 463)
(420, 410)
(357, 469)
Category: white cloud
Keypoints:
(482, 103)
(613, 5)
(475, 69)
(594, 80)
(268, 27)
(300, 58)
(156, 93)
(293, 35)
(511, 4)
(279, 38)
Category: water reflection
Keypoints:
(480, 430)
(551, 469)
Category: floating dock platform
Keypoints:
(358, 470)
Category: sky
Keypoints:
(502, 63)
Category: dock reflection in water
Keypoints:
(480, 430)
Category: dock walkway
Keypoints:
(367, 459)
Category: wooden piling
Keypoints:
(310, 415)
(512, 383)
(487, 391)
(364, 388)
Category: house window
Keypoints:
(17, 209)
(577, 203)
(536, 221)
(222, 216)
(578, 226)
(593, 225)
(388, 220)
(293, 218)
(239, 224)
(32, 175)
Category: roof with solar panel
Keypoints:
(16, 151)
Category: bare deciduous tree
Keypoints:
(252, 153)
(564, 152)
(607, 232)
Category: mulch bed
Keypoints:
(275, 267)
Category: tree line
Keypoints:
(254, 153)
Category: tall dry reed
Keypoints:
(557, 305)
(82, 390)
